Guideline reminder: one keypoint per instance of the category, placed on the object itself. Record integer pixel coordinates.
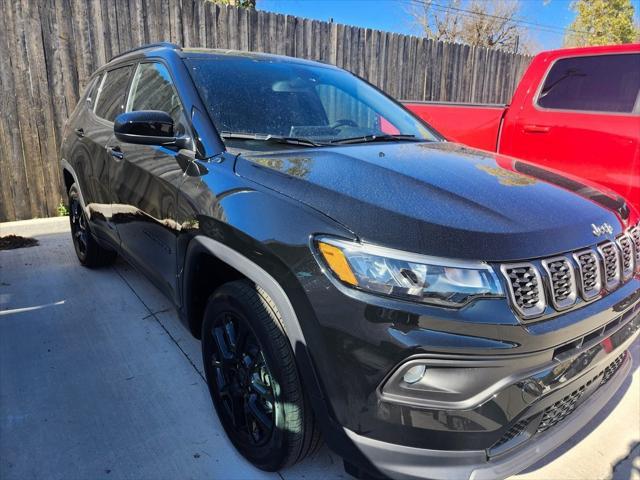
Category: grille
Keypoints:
(612, 369)
(625, 244)
(561, 409)
(611, 260)
(562, 282)
(589, 269)
(635, 234)
(525, 289)
(586, 273)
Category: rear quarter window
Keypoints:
(599, 83)
(113, 93)
(89, 95)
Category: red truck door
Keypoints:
(584, 119)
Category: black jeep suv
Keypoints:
(434, 311)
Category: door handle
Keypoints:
(116, 152)
(79, 132)
(536, 128)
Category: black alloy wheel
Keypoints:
(79, 229)
(253, 378)
(243, 379)
(90, 253)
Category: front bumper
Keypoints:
(409, 463)
(502, 372)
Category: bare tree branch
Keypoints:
(483, 23)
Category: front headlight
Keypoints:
(384, 271)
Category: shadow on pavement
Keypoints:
(629, 467)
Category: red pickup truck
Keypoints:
(575, 110)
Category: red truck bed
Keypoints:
(476, 125)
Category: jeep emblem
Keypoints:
(601, 229)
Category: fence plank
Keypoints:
(50, 120)
(15, 192)
(210, 24)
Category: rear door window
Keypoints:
(112, 94)
(601, 83)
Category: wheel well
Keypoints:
(206, 275)
(68, 179)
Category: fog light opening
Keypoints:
(414, 374)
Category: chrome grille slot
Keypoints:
(611, 259)
(589, 272)
(525, 289)
(562, 282)
(635, 235)
(627, 254)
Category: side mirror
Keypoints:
(145, 127)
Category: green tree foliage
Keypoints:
(601, 22)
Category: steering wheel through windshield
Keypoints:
(344, 122)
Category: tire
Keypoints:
(89, 252)
(253, 379)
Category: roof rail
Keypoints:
(173, 46)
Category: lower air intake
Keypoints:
(560, 410)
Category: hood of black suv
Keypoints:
(436, 198)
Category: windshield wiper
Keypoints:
(305, 142)
(376, 138)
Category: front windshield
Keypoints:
(326, 105)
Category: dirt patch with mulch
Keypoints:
(10, 242)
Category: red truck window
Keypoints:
(600, 83)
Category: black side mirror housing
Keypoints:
(145, 127)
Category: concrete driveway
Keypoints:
(98, 379)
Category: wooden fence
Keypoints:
(51, 47)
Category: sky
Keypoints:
(393, 15)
